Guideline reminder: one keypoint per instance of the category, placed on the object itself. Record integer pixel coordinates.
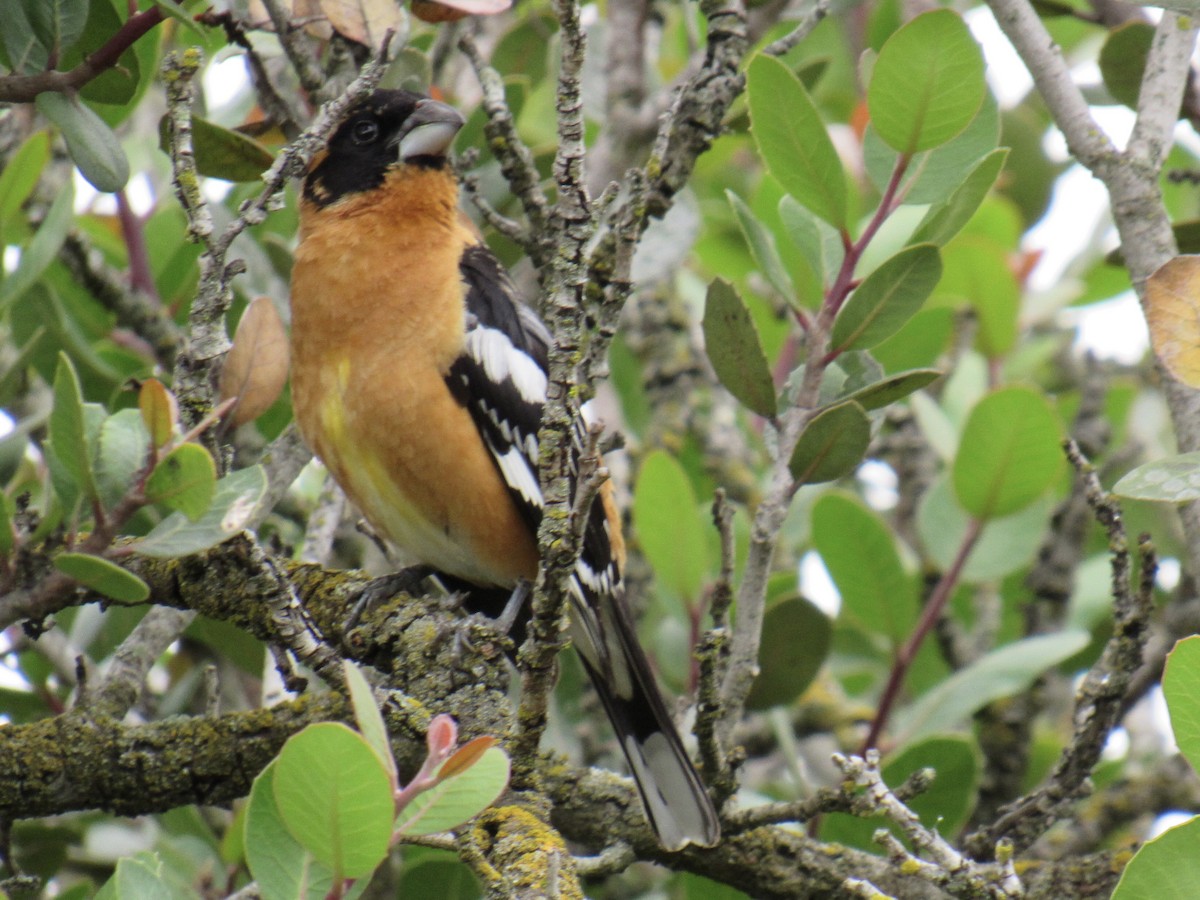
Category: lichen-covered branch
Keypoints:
(78, 761)
(1100, 698)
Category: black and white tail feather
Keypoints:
(501, 377)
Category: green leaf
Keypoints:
(368, 718)
(178, 13)
(136, 877)
(20, 177)
(67, 428)
(892, 388)
(1008, 454)
(446, 879)
(278, 862)
(103, 577)
(90, 141)
(734, 348)
(1166, 868)
(459, 798)
(793, 141)
(334, 796)
(1181, 686)
(234, 502)
(122, 452)
(818, 241)
(1173, 479)
(26, 54)
(8, 512)
(832, 445)
(57, 23)
(999, 674)
(978, 273)
(943, 807)
(762, 247)
(887, 298)
(947, 219)
(1123, 60)
(221, 152)
(1005, 545)
(117, 84)
(43, 247)
(927, 84)
(668, 528)
(934, 175)
(184, 480)
(796, 638)
(859, 551)
(949, 799)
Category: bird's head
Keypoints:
(386, 131)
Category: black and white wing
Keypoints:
(501, 377)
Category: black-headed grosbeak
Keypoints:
(419, 379)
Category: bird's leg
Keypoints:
(514, 607)
(384, 588)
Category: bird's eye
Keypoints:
(365, 131)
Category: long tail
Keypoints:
(676, 803)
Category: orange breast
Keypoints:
(377, 319)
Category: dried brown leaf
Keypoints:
(256, 367)
(365, 21)
(1173, 314)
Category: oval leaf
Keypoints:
(234, 502)
(160, 411)
(367, 716)
(1000, 673)
(668, 527)
(792, 139)
(733, 346)
(818, 241)
(1181, 686)
(1172, 305)
(103, 576)
(121, 455)
(335, 798)
(459, 798)
(1008, 454)
(894, 387)
(67, 430)
(1166, 868)
(887, 298)
(1123, 60)
(42, 248)
(184, 480)
(20, 176)
(278, 862)
(832, 445)
(1175, 479)
(90, 141)
(256, 367)
(795, 641)
(859, 551)
(927, 84)
(762, 247)
(945, 220)
(221, 152)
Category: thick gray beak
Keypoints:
(430, 130)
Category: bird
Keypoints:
(419, 377)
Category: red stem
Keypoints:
(929, 617)
(133, 231)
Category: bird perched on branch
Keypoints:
(419, 378)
